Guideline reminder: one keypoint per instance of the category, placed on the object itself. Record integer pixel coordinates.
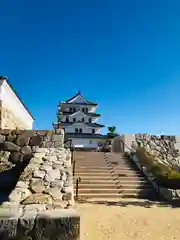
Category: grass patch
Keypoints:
(165, 175)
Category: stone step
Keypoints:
(92, 164)
(118, 196)
(125, 174)
(94, 181)
(131, 178)
(98, 191)
(125, 170)
(107, 178)
(115, 190)
(93, 168)
(128, 166)
(97, 186)
(89, 174)
(112, 185)
(96, 177)
(103, 195)
(131, 182)
(93, 172)
(135, 186)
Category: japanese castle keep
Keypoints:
(79, 122)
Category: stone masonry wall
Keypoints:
(163, 148)
(41, 204)
(46, 182)
(19, 145)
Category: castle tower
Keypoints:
(78, 119)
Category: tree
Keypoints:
(112, 131)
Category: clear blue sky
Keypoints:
(123, 54)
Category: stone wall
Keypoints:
(40, 206)
(20, 145)
(163, 148)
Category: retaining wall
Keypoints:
(40, 204)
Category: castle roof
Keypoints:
(85, 113)
(80, 96)
(65, 124)
(84, 135)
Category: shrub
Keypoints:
(165, 175)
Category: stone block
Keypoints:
(46, 168)
(2, 138)
(55, 192)
(59, 223)
(50, 224)
(57, 184)
(166, 193)
(9, 146)
(8, 227)
(39, 174)
(11, 137)
(49, 144)
(34, 149)
(57, 138)
(59, 131)
(26, 150)
(22, 140)
(37, 186)
(36, 140)
(38, 198)
(39, 154)
(16, 157)
(58, 144)
(21, 184)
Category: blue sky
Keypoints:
(123, 54)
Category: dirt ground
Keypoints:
(128, 219)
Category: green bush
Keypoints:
(165, 176)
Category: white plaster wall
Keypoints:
(177, 144)
(85, 143)
(78, 116)
(66, 107)
(10, 101)
(85, 129)
(128, 139)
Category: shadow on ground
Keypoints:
(126, 203)
(9, 179)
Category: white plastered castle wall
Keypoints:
(13, 113)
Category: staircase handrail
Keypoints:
(141, 168)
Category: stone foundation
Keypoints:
(49, 225)
(18, 145)
(40, 206)
(46, 182)
(164, 150)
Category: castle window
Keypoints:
(82, 119)
(90, 120)
(93, 130)
(74, 119)
(80, 130)
(76, 130)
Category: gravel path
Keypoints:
(129, 221)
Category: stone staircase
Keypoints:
(110, 175)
